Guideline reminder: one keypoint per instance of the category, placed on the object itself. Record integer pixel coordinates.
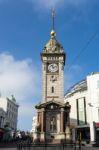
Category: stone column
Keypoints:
(62, 120)
(68, 119)
(37, 117)
(39, 120)
(67, 128)
(42, 121)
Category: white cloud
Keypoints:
(18, 77)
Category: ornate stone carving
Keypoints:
(44, 66)
(53, 78)
(62, 66)
(53, 46)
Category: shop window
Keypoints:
(81, 111)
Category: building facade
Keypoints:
(52, 113)
(2, 117)
(84, 115)
(10, 107)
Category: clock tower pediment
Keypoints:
(52, 105)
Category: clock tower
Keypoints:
(52, 112)
(53, 61)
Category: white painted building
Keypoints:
(84, 100)
(11, 109)
(2, 117)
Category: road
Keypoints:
(53, 147)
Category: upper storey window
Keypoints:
(52, 89)
(81, 111)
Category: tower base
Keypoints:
(53, 138)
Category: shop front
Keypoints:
(97, 131)
(83, 134)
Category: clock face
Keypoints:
(53, 67)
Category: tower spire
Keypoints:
(53, 19)
(53, 34)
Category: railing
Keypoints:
(71, 146)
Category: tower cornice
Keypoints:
(53, 55)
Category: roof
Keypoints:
(13, 100)
(80, 86)
(93, 73)
(53, 46)
(43, 105)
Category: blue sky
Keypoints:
(25, 27)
